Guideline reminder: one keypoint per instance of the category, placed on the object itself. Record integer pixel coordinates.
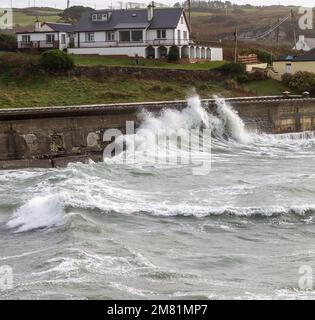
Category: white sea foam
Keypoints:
(39, 212)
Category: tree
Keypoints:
(73, 14)
(173, 55)
(56, 60)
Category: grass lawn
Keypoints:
(267, 87)
(146, 63)
(60, 90)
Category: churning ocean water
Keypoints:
(153, 230)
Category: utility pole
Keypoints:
(293, 28)
(278, 34)
(189, 11)
(68, 4)
(235, 45)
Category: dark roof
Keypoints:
(285, 58)
(309, 56)
(166, 18)
(60, 27)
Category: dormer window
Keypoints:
(101, 16)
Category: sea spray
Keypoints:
(234, 126)
(181, 134)
(39, 212)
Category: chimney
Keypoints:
(38, 25)
(151, 8)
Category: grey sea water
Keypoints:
(154, 230)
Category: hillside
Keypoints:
(210, 23)
(24, 19)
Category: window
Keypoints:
(26, 38)
(185, 35)
(182, 20)
(137, 36)
(124, 36)
(50, 38)
(110, 36)
(131, 36)
(63, 39)
(101, 16)
(179, 35)
(89, 37)
(161, 34)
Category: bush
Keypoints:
(56, 60)
(300, 82)
(258, 75)
(17, 63)
(233, 69)
(7, 37)
(286, 78)
(173, 55)
(263, 56)
(7, 42)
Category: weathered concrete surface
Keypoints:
(54, 136)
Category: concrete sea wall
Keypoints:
(54, 136)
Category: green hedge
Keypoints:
(300, 82)
(173, 55)
(56, 60)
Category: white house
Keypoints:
(46, 35)
(148, 33)
(305, 44)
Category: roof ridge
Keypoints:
(69, 24)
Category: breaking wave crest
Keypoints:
(39, 212)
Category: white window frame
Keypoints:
(28, 38)
(63, 39)
(110, 36)
(130, 36)
(89, 36)
(50, 38)
(101, 16)
(159, 34)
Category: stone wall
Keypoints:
(55, 136)
(104, 72)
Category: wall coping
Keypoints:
(72, 110)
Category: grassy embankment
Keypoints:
(48, 90)
(145, 63)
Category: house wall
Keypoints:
(216, 54)
(98, 35)
(280, 66)
(120, 51)
(152, 35)
(63, 46)
(36, 37)
(44, 28)
(181, 27)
